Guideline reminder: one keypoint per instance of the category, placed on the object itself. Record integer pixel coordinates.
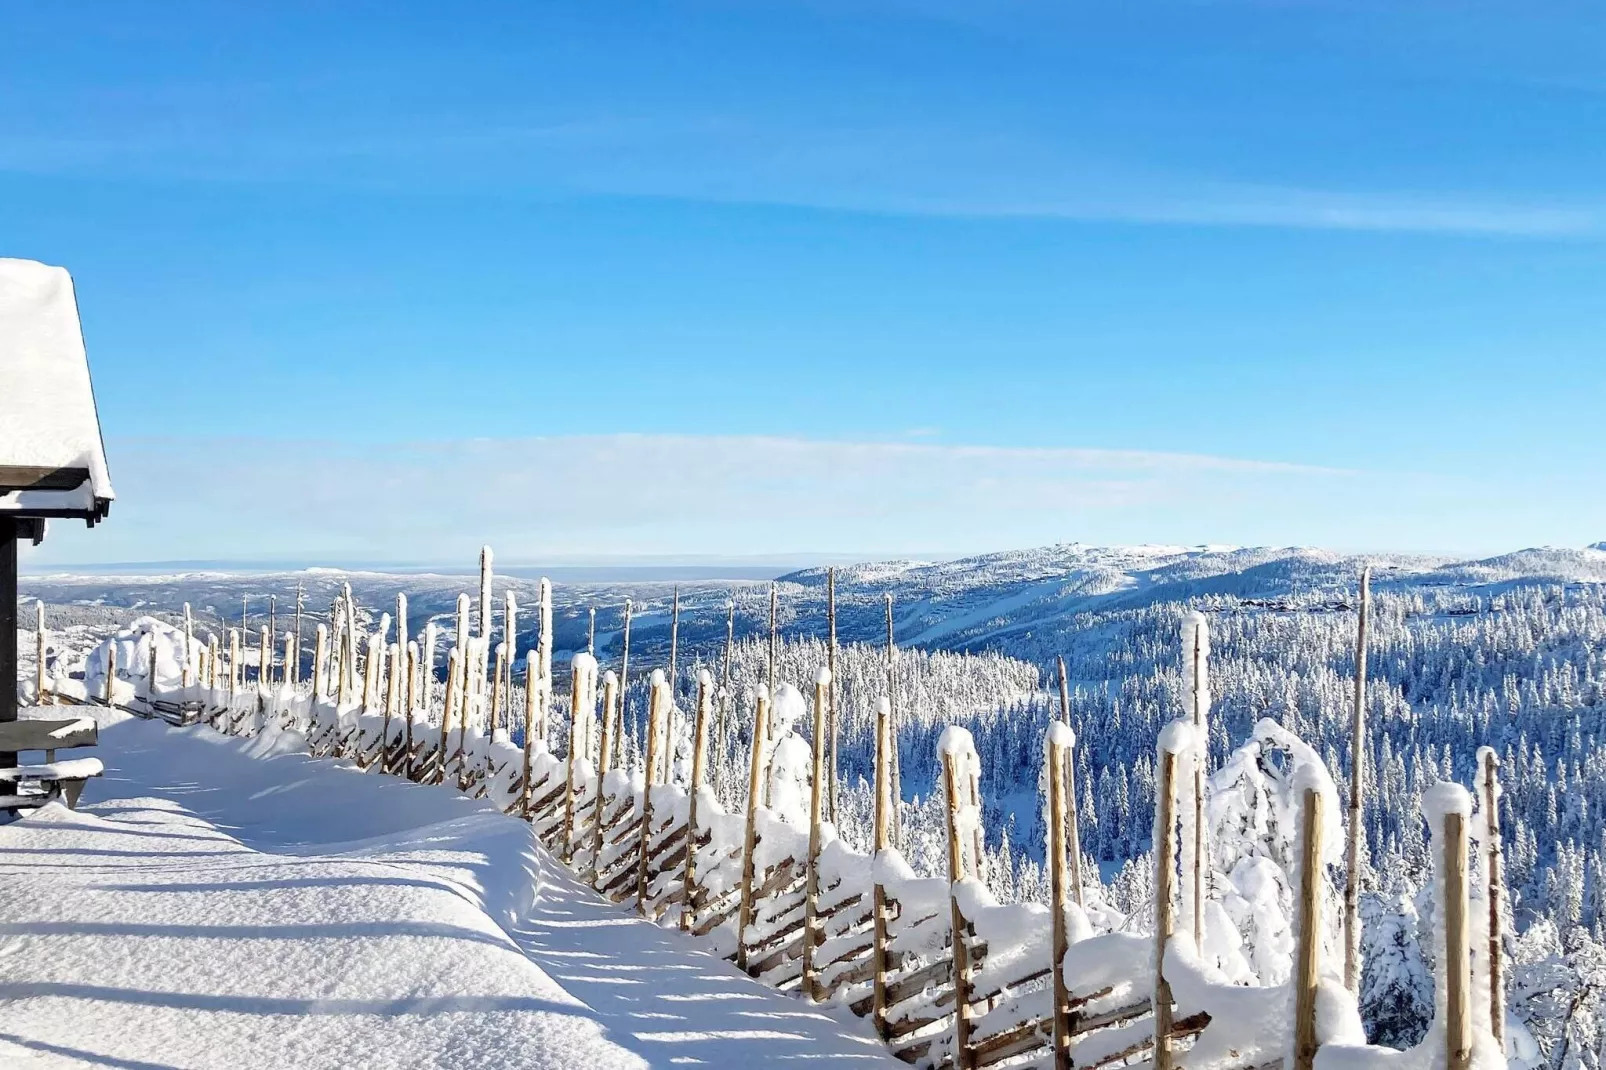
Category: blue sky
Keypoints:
(383, 281)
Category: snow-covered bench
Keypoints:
(28, 785)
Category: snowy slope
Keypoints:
(211, 909)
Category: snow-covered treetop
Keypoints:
(49, 430)
(788, 708)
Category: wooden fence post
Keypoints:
(722, 732)
(407, 711)
(295, 665)
(769, 680)
(236, 660)
(466, 661)
(624, 684)
(830, 664)
(510, 626)
(755, 773)
(264, 659)
(699, 758)
(1073, 830)
(1357, 787)
(1057, 752)
(212, 662)
(1458, 965)
(1199, 701)
(452, 660)
(189, 648)
(39, 689)
(370, 666)
(320, 650)
(393, 696)
(150, 672)
(577, 748)
(111, 671)
(1495, 892)
(654, 717)
(811, 890)
(881, 842)
(1308, 949)
(895, 815)
(532, 685)
(960, 793)
(496, 688)
(610, 710)
(1165, 880)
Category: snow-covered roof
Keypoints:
(52, 463)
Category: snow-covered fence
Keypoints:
(949, 975)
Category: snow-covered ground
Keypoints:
(211, 907)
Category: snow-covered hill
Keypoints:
(972, 602)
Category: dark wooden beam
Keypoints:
(32, 477)
(8, 627)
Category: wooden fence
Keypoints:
(949, 976)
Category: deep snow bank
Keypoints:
(216, 906)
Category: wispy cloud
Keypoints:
(653, 494)
(894, 171)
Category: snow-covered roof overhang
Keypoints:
(52, 463)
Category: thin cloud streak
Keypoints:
(640, 493)
(914, 174)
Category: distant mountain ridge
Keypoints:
(979, 601)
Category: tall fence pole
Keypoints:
(452, 658)
(722, 735)
(1057, 754)
(576, 746)
(411, 704)
(111, 673)
(830, 665)
(320, 651)
(624, 686)
(769, 680)
(880, 843)
(1198, 654)
(699, 759)
(610, 710)
(895, 816)
(532, 684)
(654, 717)
(264, 658)
(1356, 845)
(811, 890)
(1495, 892)
(960, 794)
(674, 645)
(543, 647)
(1458, 960)
(761, 717)
(1165, 880)
(39, 689)
(295, 665)
(1307, 953)
(1073, 831)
